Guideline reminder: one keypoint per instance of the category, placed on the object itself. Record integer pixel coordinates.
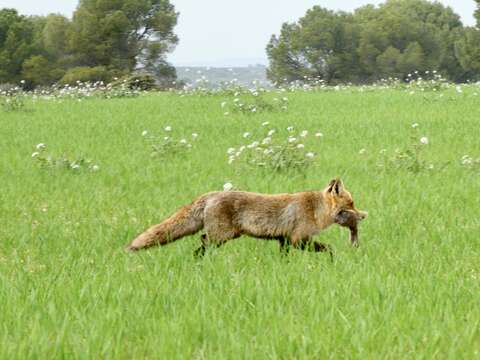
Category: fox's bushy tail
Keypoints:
(186, 221)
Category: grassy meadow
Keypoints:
(411, 290)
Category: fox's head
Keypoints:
(341, 202)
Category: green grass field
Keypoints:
(67, 289)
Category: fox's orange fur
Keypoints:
(289, 218)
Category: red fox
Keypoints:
(291, 219)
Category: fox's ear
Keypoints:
(338, 188)
(335, 186)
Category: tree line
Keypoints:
(104, 39)
(108, 39)
(372, 43)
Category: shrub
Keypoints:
(12, 98)
(143, 82)
(273, 152)
(410, 158)
(470, 163)
(86, 74)
(168, 144)
(255, 101)
(47, 161)
(37, 70)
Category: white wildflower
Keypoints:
(144, 133)
(300, 146)
(41, 146)
(265, 123)
(241, 148)
(95, 168)
(266, 141)
(415, 125)
(458, 89)
(166, 138)
(227, 186)
(230, 151)
(246, 134)
(194, 135)
(318, 134)
(424, 140)
(290, 128)
(75, 166)
(467, 160)
(271, 132)
(310, 155)
(168, 128)
(292, 139)
(183, 141)
(35, 154)
(304, 133)
(362, 151)
(223, 104)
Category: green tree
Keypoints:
(37, 70)
(476, 14)
(388, 62)
(467, 49)
(321, 44)
(18, 41)
(412, 59)
(55, 36)
(122, 34)
(391, 40)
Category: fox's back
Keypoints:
(251, 201)
(263, 214)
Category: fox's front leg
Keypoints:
(310, 245)
(284, 245)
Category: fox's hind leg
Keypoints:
(206, 243)
(201, 250)
(218, 226)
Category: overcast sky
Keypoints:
(228, 32)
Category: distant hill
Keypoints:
(216, 75)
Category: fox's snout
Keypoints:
(361, 215)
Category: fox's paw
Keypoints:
(321, 247)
